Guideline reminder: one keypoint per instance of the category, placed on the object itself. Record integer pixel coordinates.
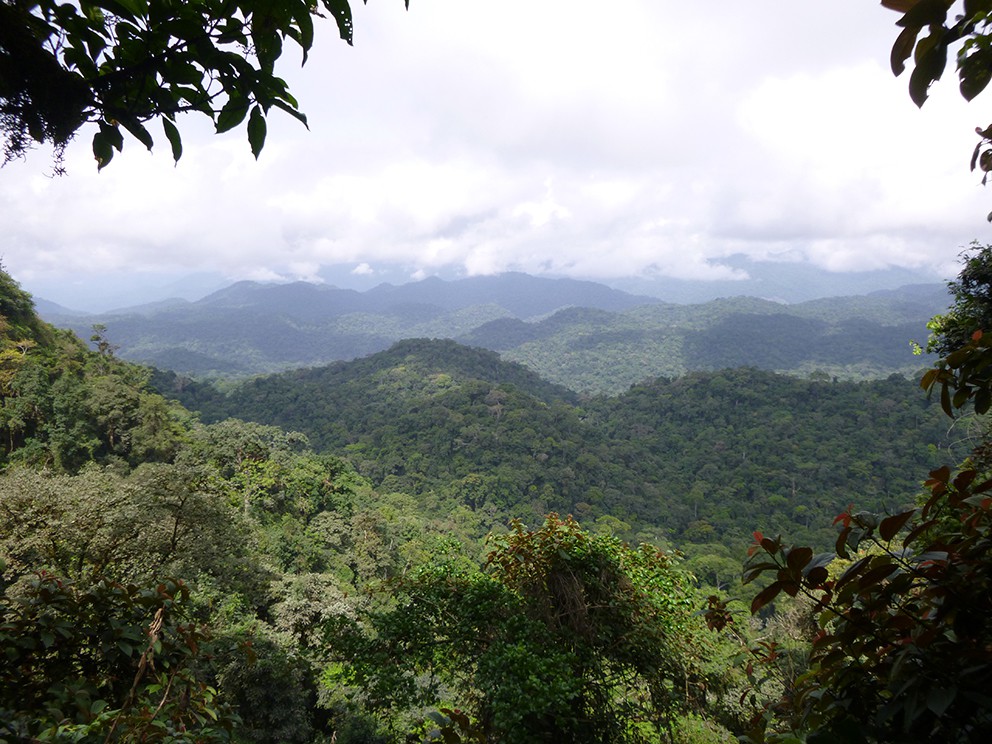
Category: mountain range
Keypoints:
(580, 334)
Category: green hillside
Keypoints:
(601, 352)
(708, 456)
(582, 335)
(369, 551)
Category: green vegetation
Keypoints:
(123, 63)
(901, 651)
(338, 566)
(704, 458)
(567, 637)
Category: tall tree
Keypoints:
(972, 308)
(567, 637)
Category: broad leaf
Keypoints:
(889, 526)
(175, 140)
(256, 131)
(233, 113)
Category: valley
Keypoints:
(324, 527)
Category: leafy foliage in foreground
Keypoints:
(122, 63)
(566, 637)
(903, 651)
(967, 30)
(105, 661)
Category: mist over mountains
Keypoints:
(774, 278)
(580, 334)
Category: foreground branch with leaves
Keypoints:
(123, 63)
(903, 650)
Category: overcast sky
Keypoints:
(562, 137)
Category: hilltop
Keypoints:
(585, 336)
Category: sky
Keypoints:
(609, 141)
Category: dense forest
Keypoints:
(379, 550)
(708, 457)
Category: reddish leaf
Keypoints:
(765, 596)
(841, 545)
(940, 475)
(889, 526)
(964, 479)
(876, 575)
(791, 588)
(918, 530)
(798, 558)
(816, 576)
(982, 487)
(845, 516)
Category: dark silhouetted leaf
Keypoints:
(889, 526)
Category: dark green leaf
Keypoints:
(305, 24)
(902, 49)
(924, 13)
(138, 131)
(256, 131)
(973, 7)
(175, 140)
(102, 150)
(945, 399)
(123, 8)
(974, 74)
(341, 11)
(939, 699)
(298, 115)
(97, 706)
(983, 400)
(936, 556)
(233, 113)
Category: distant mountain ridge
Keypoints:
(580, 334)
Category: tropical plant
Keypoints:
(566, 636)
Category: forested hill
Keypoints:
(709, 456)
(271, 576)
(579, 334)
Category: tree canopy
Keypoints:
(122, 63)
(567, 636)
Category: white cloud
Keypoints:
(642, 137)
